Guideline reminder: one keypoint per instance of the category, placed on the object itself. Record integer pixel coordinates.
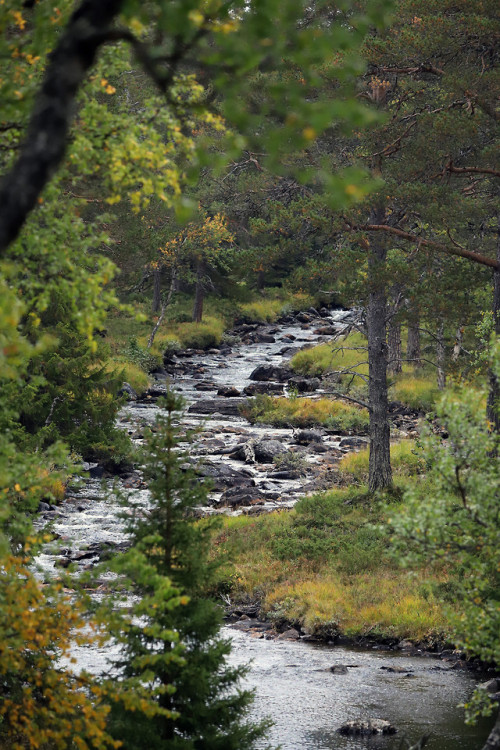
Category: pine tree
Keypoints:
(171, 640)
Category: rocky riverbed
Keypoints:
(310, 691)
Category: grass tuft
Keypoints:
(404, 460)
(305, 412)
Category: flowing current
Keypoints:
(293, 681)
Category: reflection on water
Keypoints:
(308, 703)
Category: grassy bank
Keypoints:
(306, 412)
(326, 567)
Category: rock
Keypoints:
(224, 476)
(236, 496)
(264, 338)
(127, 391)
(254, 388)
(205, 385)
(397, 670)
(244, 452)
(405, 645)
(43, 507)
(154, 391)
(271, 372)
(366, 727)
(222, 406)
(229, 392)
(353, 442)
(267, 450)
(289, 635)
(338, 669)
(304, 317)
(304, 437)
(96, 471)
(492, 686)
(304, 385)
(325, 331)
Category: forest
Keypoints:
(249, 372)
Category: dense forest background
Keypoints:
(172, 169)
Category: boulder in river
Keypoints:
(353, 442)
(304, 385)
(224, 476)
(266, 451)
(366, 727)
(271, 372)
(229, 407)
(228, 391)
(254, 388)
(304, 437)
(128, 391)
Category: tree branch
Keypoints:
(475, 257)
(45, 144)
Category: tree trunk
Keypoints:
(156, 290)
(440, 357)
(493, 741)
(380, 472)
(199, 292)
(413, 352)
(164, 306)
(457, 348)
(493, 404)
(394, 364)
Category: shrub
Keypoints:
(416, 392)
(305, 412)
(404, 460)
(333, 357)
(201, 335)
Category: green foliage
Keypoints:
(405, 461)
(455, 517)
(348, 353)
(304, 412)
(176, 689)
(135, 353)
(417, 392)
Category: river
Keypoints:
(292, 680)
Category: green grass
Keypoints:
(325, 566)
(346, 353)
(404, 461)
(416, 391)
(305, 412)
(273, 304)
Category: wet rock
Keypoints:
(305, 437)
(264, 338)
(229, 407)
(244, 452)
(205, 386)
(223, 476)
(229, 392)
(353, 442)
(492, 686)
(271, 372)
(325, 331)
(255, 388)
(289, 635)
(43, 507)
(127, 391)
(304, 385)
(397, 670)
(323, 312)
(338, 669)
(96, 471)
(266, 450)
(237, 496)
(304, 317)
(366, 727)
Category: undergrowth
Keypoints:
(305, 412)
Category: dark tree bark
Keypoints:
(199, 294)
(413, 351)
(493, 741)
(380, 472)
(47, 134)
(156, 290)
(395, 364)
(440, 357)
(493, 405)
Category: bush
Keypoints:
(201, 335)
(305, 412)
(404, 461)
(416, 392)
(338, 355)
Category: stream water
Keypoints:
(292, 680)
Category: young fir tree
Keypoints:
(171, 647)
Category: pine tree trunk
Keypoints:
(156, 290)
(380, 472)
(493, 405)
(440, 357)
(199, 293)
(394, 364)
(493, 741)
(413, 351)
